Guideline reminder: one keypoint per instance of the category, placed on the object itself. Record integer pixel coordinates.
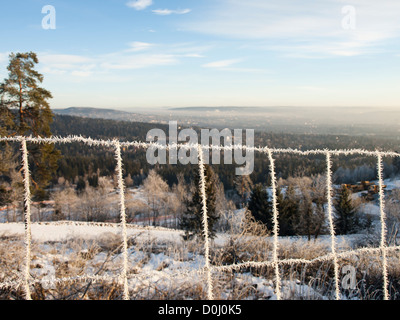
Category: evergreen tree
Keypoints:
(80, 185)
(288, 212)
(260, 206)
(396, 164)
(192, 219)
(346, 219)
(306, 217)
(25, 111)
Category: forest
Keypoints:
(81, 161)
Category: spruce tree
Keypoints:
(260, 206)
(25, 111)
(306, 224)
(346, 219)
(396, 164)
(288, 212)
(192, 219)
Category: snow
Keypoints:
(164, 268)
(63, 231)
(392, 184)
(370, 208)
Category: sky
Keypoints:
(128, 54)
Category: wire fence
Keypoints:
(208, 270)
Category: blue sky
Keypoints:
(156, 53)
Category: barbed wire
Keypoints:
(121, 191)
(202, 182)
(331, 223)
(25, 280)
(27, 216)
(275, 222)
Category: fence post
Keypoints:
(205, 223)
(275, 224)
(27, 218)
(383, 227)
(331, 224)
(121, 190)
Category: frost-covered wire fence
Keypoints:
(208, 270)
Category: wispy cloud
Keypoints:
(230, 66)
(139, 61)
(221, 63)
(140, 46)
(63, 59)
(305, 28)
(82, 73)
(138, 55)
(166, 12)
(64, 64)
(139, 4)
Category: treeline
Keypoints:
(79, 160)
(102, 128)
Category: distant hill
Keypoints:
(282, 119)
(216, 109)
(99, 128)
(98, 113)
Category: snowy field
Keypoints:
(161, 264)
(174, 268)
(83, 260)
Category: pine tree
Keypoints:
(346, 219)
(192, 218)
(25, 111)
(288, 212)
(260, 206)
(307, 223)
(396, 164)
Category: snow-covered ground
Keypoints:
(168, 268)
(158, 259)
(63, 231)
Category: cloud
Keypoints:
(81, 73)
(221, 63)
(166, 12)
(139, 4)
(303, 28)
(63, 59)
(4, 56)
(193, 55)
(138, 55)
(140, 46)
(228, 65)
(138, 61)
(188, 49)
(67, 64)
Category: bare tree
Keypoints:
(243, 186)
(96, 203)
(129, 180)
(393, 216)
(181, 192)
(65, 203)
(156, 192)
(311, 193)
